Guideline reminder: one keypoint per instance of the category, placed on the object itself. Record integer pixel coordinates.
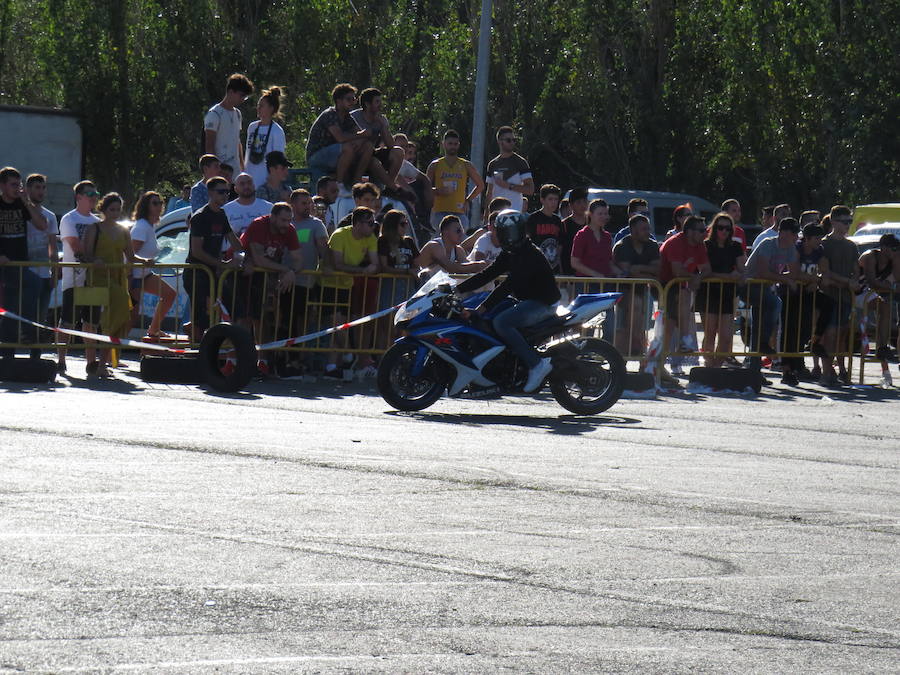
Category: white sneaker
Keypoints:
(537, 374)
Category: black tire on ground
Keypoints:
(599, 383)
(402, 391)
(171, 370)
(735, 379)
(211, 362)
(32, 371)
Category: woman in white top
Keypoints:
(264, 135)
(147, 213)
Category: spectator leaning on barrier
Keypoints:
(21, 286)
(577, 220)
(208, 230)
(264, 135)
(771, 261)
(715, 299)
(592, 256)
(801, 300)
(877, 268)
(841, 286)
(683, 255)
(545, 228)
(450, 176)
(146, 216)
(508, 174)
(397, 253)
(637, 256)
(273, 247)
(42, 247)
(446, 252)
(276, 187)
(353, 251)
(247, 207)
(71, 232)
(209, 167)
(222, 124)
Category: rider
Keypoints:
(530, 280)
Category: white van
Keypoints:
(662, 205)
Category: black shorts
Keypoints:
(715, 298)
(72, 316)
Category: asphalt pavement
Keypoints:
(306, 527)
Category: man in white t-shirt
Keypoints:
(487, 248)
(72, 227)
(508, 174)
(222, 124)
(247, 207)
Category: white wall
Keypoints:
(50, 144)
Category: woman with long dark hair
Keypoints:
(715, 299)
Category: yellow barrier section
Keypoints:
(780, 321)
(318, 300)
(32, 290)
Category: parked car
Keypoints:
(882, 228)
(874, 214)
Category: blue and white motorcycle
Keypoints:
(442, 351)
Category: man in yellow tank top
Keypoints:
(450, 176)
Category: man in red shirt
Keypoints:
(683, 255)
(592, 246)
(271, 243)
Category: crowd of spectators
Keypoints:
(288, 253)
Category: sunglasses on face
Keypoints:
(91, 194)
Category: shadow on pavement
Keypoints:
(565, 425)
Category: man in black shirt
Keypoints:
(545, 227)
(21, 285)
(637, 255)
(209, 228)
(530, 280)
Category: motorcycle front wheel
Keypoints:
(403, 390)
(595, 383)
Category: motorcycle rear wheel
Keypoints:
(402, 390)
(599, 381)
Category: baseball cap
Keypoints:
(277, 158)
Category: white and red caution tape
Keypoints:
(290, 342)
(122, 342)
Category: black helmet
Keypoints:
(510, 227)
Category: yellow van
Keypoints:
(873, 214)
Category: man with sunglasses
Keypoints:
(209, 229)
(508, 174)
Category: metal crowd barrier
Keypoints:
(34, 291)
(318, 300)
(772, 320)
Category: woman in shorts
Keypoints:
(147, 213)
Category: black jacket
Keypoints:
(528, 277)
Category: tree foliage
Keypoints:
(794, 100)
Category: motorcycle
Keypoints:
(441, 350)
